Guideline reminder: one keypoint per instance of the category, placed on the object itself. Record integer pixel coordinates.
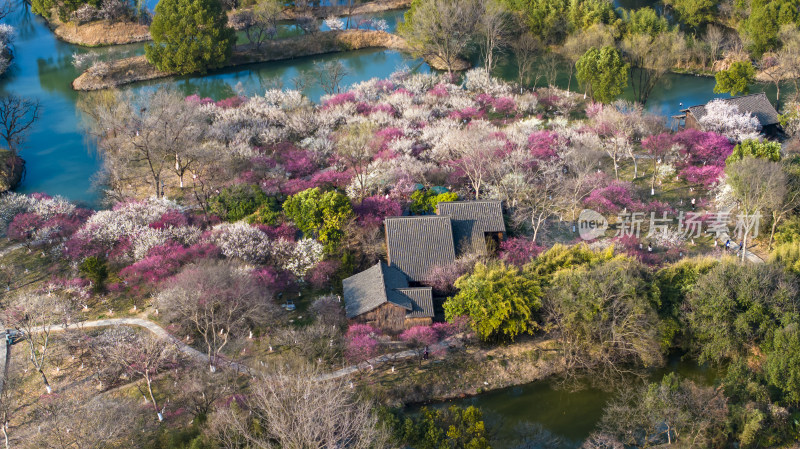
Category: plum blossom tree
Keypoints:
(613, 198)
(217, 301)
(166, 260)
(703, 155)
(374, 209)
(361, 343)
(660, 147)
(302, 256)
(519, 250)
(334, 23)
(35, 316)
(243, 241)
(144, 356)
(356, 146)
(420, 339)
(723, 117)
(540, 198)
(472, 151)
(443, 277)
(23, 228)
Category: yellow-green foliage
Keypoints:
(562, 257)
(788, 256)
(500, 301)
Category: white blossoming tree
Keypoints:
(724, 118)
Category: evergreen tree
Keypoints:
(603, 72)
(737, 79)
(190, 36)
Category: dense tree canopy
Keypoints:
(190, 36)
(320, 214)
(736, 79)
(501, 302)
(770, 151)
(553, 20)
(603, 73)
(734, 308)
(605, 316)
(694, 13)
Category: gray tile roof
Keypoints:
(756, 104)
(372, 287)
(380, 283)
(471, 221)
(421, 300)
(415, 245)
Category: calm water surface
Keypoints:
(569, 412)
(62, 160)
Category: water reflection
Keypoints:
(567, 411)
(60, 161)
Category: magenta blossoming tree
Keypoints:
(614, 198)
(23, 227)
(420, 339)
(519, 250)
(374, 209)
(361, 343)
(703, 155)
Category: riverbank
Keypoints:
(321, 12)
(134, 69)
(480, 370)
(10, 177)
(99, 33)
(102, 32)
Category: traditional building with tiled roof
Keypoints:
(381, 296)
(474, 222)
(415, 245)
(756, 104)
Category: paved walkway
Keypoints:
(11, 248)
(736, 250)
(161, 333)
(5, 357)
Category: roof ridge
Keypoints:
(385, 291)
(726, 99)
(414, 217)
(470, 201)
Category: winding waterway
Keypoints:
(62, 160)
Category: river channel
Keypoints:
(62, 160)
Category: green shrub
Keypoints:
(787, 255)
(95, 269)
(453, 428)
(320, 215)
(770, 151)
(425, 201)
(237, 202)
(788, 232)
